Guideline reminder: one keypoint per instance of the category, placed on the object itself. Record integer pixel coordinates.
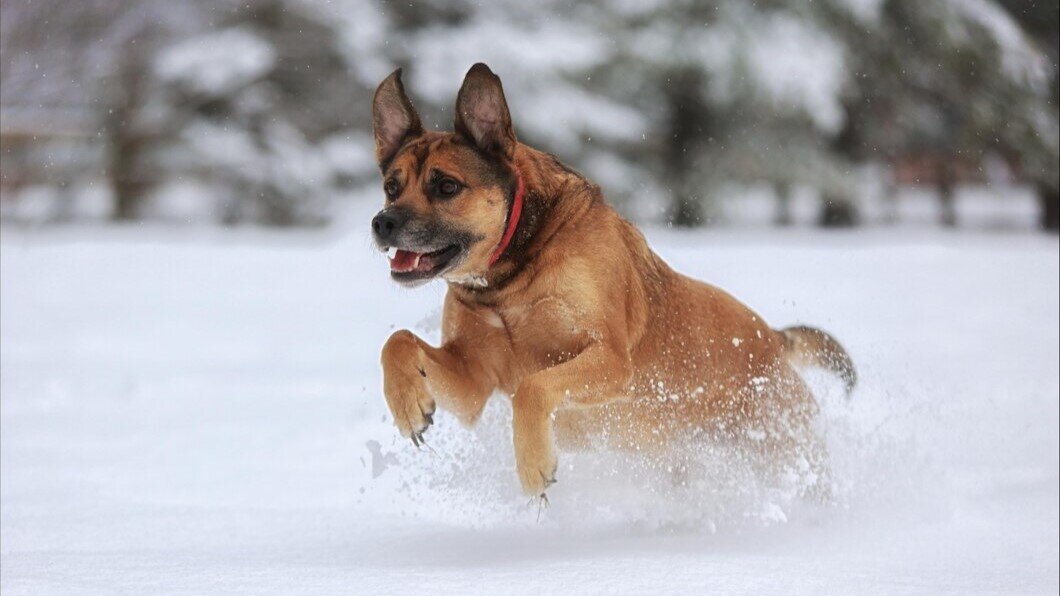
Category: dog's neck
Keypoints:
(555, 196)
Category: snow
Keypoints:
(199, 411)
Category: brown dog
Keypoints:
(557, 301)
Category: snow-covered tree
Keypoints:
(265, 103)
(736, 93)
(956, 79)
(258, 103)
(545, 53)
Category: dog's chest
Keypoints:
(545, 332)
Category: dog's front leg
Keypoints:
(414, 373)
(598, 374)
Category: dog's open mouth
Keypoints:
(406, 265)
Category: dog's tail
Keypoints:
(810, 347)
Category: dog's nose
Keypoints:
(386, 224)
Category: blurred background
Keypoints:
(835, 113)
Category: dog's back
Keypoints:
(701, 359)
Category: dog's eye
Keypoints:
(448, 187)
(391, 188)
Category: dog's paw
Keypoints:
(405, 388)
(412, 407)
(413, 412)
(537, 469)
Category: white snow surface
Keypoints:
(201, 412)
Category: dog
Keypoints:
(558, 302)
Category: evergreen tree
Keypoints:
(952, 80)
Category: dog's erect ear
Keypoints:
(482, 113)
(394, 118)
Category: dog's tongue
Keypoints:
(404, 260)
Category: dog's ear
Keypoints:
(394, 119)
(482, 113)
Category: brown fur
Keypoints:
(809, 347)
(595, 338)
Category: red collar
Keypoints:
(513, 220)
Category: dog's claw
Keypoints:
(417, 439)
(542, 504)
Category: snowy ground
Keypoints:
(204, 414)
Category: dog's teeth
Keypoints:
(416, 263)
(391, 252)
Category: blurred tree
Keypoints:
(686, 130)
(92, 58)
(257, 101)
(546, 54)
(250, 98)
(739, 93)
(129, 125)
(1041, 20)
(667, 104)
(947, 81)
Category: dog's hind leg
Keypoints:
(794, 452)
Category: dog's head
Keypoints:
(447, 195)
